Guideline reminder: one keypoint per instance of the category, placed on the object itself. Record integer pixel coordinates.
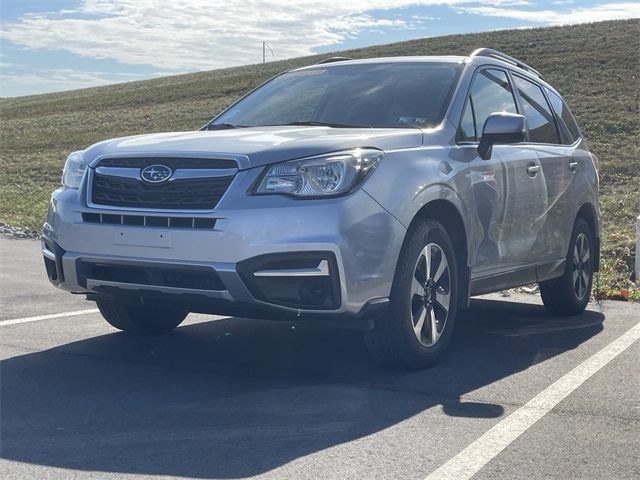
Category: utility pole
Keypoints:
(265, 45)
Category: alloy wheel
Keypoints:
(581, 267)
(430, 294)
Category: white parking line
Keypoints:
(47, 317)
(470, 460)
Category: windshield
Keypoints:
(394, 94)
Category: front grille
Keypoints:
(176, 277)
(173, 163)
(176, 194)
(150, 221)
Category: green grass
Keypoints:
(596, 67)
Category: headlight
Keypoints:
(321, 176)
(74, 170)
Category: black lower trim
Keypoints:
(502, 281)
(551, 270)
(54, 269)
(161, 275)
(518, 277)
(364, 319)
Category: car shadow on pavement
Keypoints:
(234, 398)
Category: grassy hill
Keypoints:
(596, 67)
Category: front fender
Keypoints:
(407, 181)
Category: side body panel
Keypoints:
(572, 183)
(483, 189)
(553, 243)
(518, 224)
(525, 207)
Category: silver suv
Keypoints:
(378, 194)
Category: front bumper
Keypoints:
(346, 248)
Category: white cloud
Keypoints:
(203, 34)
(596, 13)
(185, 35)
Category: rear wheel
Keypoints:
(569, 294)
(138, 319)
(423, 303)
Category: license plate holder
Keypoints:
(138, 238)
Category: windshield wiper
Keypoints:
(221, 126)
(314, 123)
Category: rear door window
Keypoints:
(540, 119)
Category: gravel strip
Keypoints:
(17, 232)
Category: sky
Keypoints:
(54, 45)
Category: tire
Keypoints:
(394, 341)
(569, 294)
(136, 319)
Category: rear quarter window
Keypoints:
(566, 121)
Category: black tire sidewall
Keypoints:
(559, 295)
(429, 231)
(580, 227)
(140, 319)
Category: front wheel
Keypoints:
(569, 294)
(423, 303)
(138, 319)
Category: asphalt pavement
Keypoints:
(520, 394)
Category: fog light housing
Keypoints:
(315, 291)
(301, 280)
(52, 254)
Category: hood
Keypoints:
(257, 146)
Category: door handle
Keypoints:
(532, 170)
(573, 166)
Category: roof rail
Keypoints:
(488, 52)
(334, 59)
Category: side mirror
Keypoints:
(501, 128)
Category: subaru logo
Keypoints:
(156, 173)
